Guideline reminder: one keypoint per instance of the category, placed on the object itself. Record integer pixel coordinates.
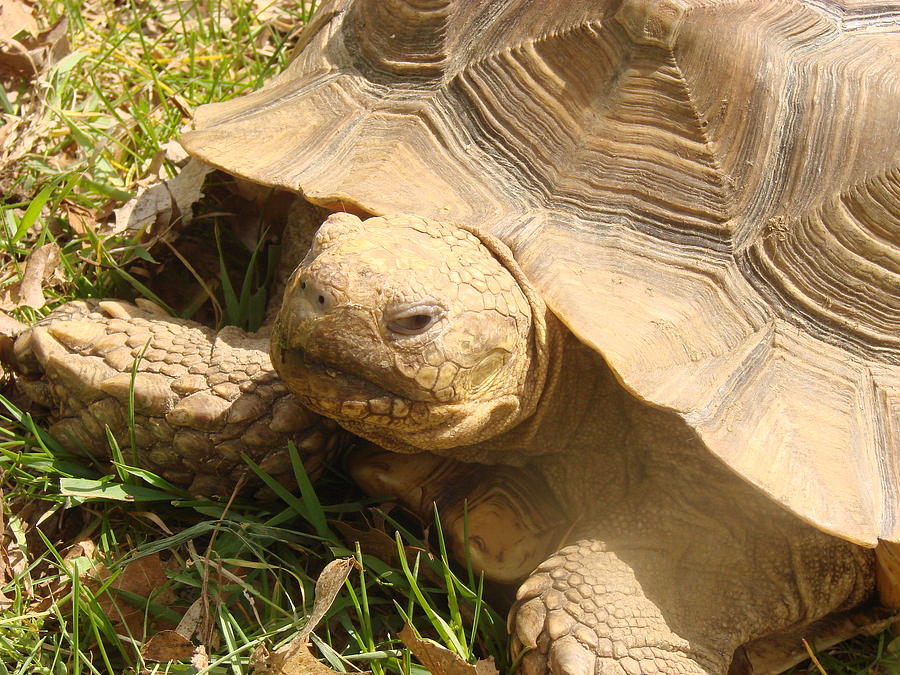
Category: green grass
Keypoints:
(254, 564)
(90, 130)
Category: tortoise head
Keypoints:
(414, 334)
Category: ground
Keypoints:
(117, 572)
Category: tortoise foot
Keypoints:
(201, 400)
(582, 613)
(507, 512)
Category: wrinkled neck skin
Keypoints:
(566, 403)
(576, 431)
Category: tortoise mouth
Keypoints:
(335, 393)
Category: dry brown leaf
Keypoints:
(173, 152)
(294, 658)
(82, 220)
(294, 661)
(15, 17)
(34, 55)
(329, 583)
(10, 327)
(192, 620)
(84, 548)
(6, 130)
(167, 645)
(142, 577)
(28, 59)
(39, 267)
(156, 207)
(13, 556)
(440, 660)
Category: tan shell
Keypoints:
(706, 192)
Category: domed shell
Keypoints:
(706, 192)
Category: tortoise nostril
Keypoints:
(310, 296)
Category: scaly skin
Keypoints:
(202, 399)
(423, 337)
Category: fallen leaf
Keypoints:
(13, 549)
(192, 620)
(173, 152)
(294, 658)
(32, 56)
(41, 264)
(81, 558)
(167, 645)
(10, 327)
(441, 661)
(156, 207)
(294, 661)
(329, 583)
(142, 577)
(81, 219)
(15, 18)
(6, 130)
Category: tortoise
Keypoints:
(622, 289)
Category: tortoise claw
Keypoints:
(529, 623)
(569, 657)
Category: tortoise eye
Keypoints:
(414, 321)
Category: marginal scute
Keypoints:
(43, 345)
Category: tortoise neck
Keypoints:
(562, 413)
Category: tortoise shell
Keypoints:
(707, 193)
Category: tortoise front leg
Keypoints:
(202, 398)
(512, 520)
(583, 612)
(680, 603)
